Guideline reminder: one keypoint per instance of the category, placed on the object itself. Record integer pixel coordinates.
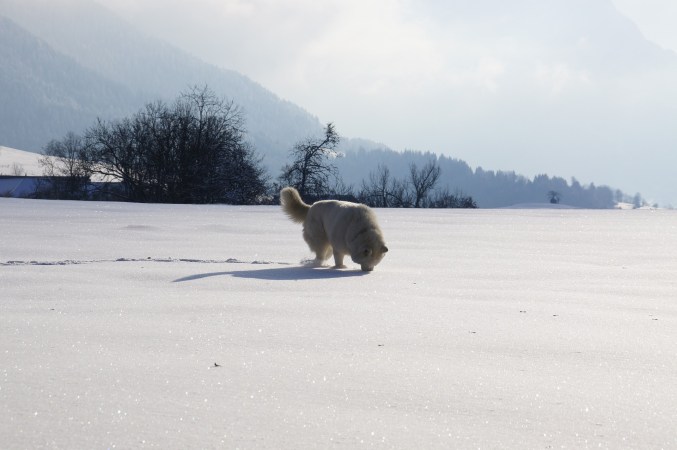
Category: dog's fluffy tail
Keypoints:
(293, 205)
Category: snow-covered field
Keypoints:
(127, 325)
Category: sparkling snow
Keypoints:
(128, 325)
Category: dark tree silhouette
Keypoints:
(423, 181)
(382, 190)
(311, 169)
(192, 152)
(445, 199)
(66, 169)
(554, 197)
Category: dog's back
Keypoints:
(293, 205)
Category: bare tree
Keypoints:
(376, 191)
(423, 181)
(67, 169)
(384, 191)
(18, 170)
(342, 191)
(312, 168)
(191, 152)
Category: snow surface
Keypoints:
(129, 325)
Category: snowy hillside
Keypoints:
(13, 160)
(128, 325)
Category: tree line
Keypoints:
(195, 151)
(489, 189)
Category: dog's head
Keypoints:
(369, 256)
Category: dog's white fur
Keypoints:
(338, 227)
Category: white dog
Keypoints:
(341, 228)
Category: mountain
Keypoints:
(80, 49)
(45, 93)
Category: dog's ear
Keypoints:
(367, 251)
(384, 249)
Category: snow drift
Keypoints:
(127, 325)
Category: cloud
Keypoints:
(367, 56)
(568, 87)
(558, 77)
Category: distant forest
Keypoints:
(488, 188)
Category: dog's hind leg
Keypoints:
(323, 254)
(317, 242)
(338, 260)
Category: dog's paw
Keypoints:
(312, 263)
